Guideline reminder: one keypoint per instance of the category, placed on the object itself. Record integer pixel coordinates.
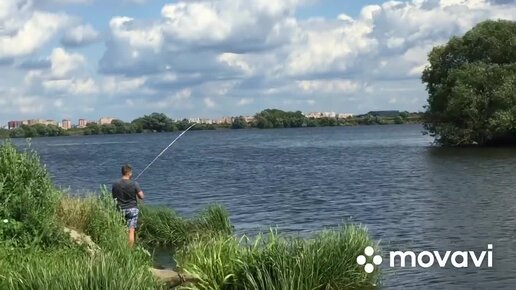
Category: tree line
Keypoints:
(159, 122)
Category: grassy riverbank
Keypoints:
(35, 252)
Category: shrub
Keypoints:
(29, 200)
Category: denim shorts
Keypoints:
(131, 217)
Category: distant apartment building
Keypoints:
(41, 122)
(32, 122)
(105, 120)
(318, 115)
(66, 124)
(194, 120)
(344, 116)
(82, 123)
(14, 124)
(225, 120)
(206, 121)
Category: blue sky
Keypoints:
(214, 58)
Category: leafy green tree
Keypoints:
(399, 120)
(155, 122)
(471, 82)
(274, 118)
(108, 129)
(29, 131)
(41, 130)
(92, 129)
(183, 124)
(120, 127)
(368, 120)
(17, 133)
(238, 123)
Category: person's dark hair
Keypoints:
(126, 168)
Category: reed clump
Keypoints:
(325, 261)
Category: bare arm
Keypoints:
(139, 191)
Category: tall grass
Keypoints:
(158, 226)
(163, 227)
(326, 261)
(74, 269)
(29, 200)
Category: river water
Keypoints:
(410, 195)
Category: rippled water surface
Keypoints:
(410, 195)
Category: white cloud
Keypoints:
(227, 21)
(236, 61)
(64, 65)
(114, 85)
(178, 100)
(209, 103)
(65, 2)
(80, 36)
(14, 101)
(329, 86)
(123, 29)
(245, 101)
(67, 75)
(27, 36)
(75, 86)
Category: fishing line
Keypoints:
(164, 150)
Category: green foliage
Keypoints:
(163, 227)
(29, 200)
(238, 123)
(38, 130)
(326, 261)
(35, 253)
(155, 122)
(471, 82)
(4, 133)
(274, 118)
(74, 269)
(92, 129)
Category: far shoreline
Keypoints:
(215, 129)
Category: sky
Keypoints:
(213, 58)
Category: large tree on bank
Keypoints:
(471, 82)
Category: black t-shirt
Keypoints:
(124, 191)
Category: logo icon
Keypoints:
(363, 260)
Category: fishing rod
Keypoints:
(164, 150)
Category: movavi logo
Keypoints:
(427, 259)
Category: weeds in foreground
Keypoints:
(164, 228)
(327, 261)
(29, 200)
(74, 269)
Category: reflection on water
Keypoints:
(410, 195)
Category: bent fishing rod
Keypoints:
(164, 150)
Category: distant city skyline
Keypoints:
(68, 123)
(66, 58)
